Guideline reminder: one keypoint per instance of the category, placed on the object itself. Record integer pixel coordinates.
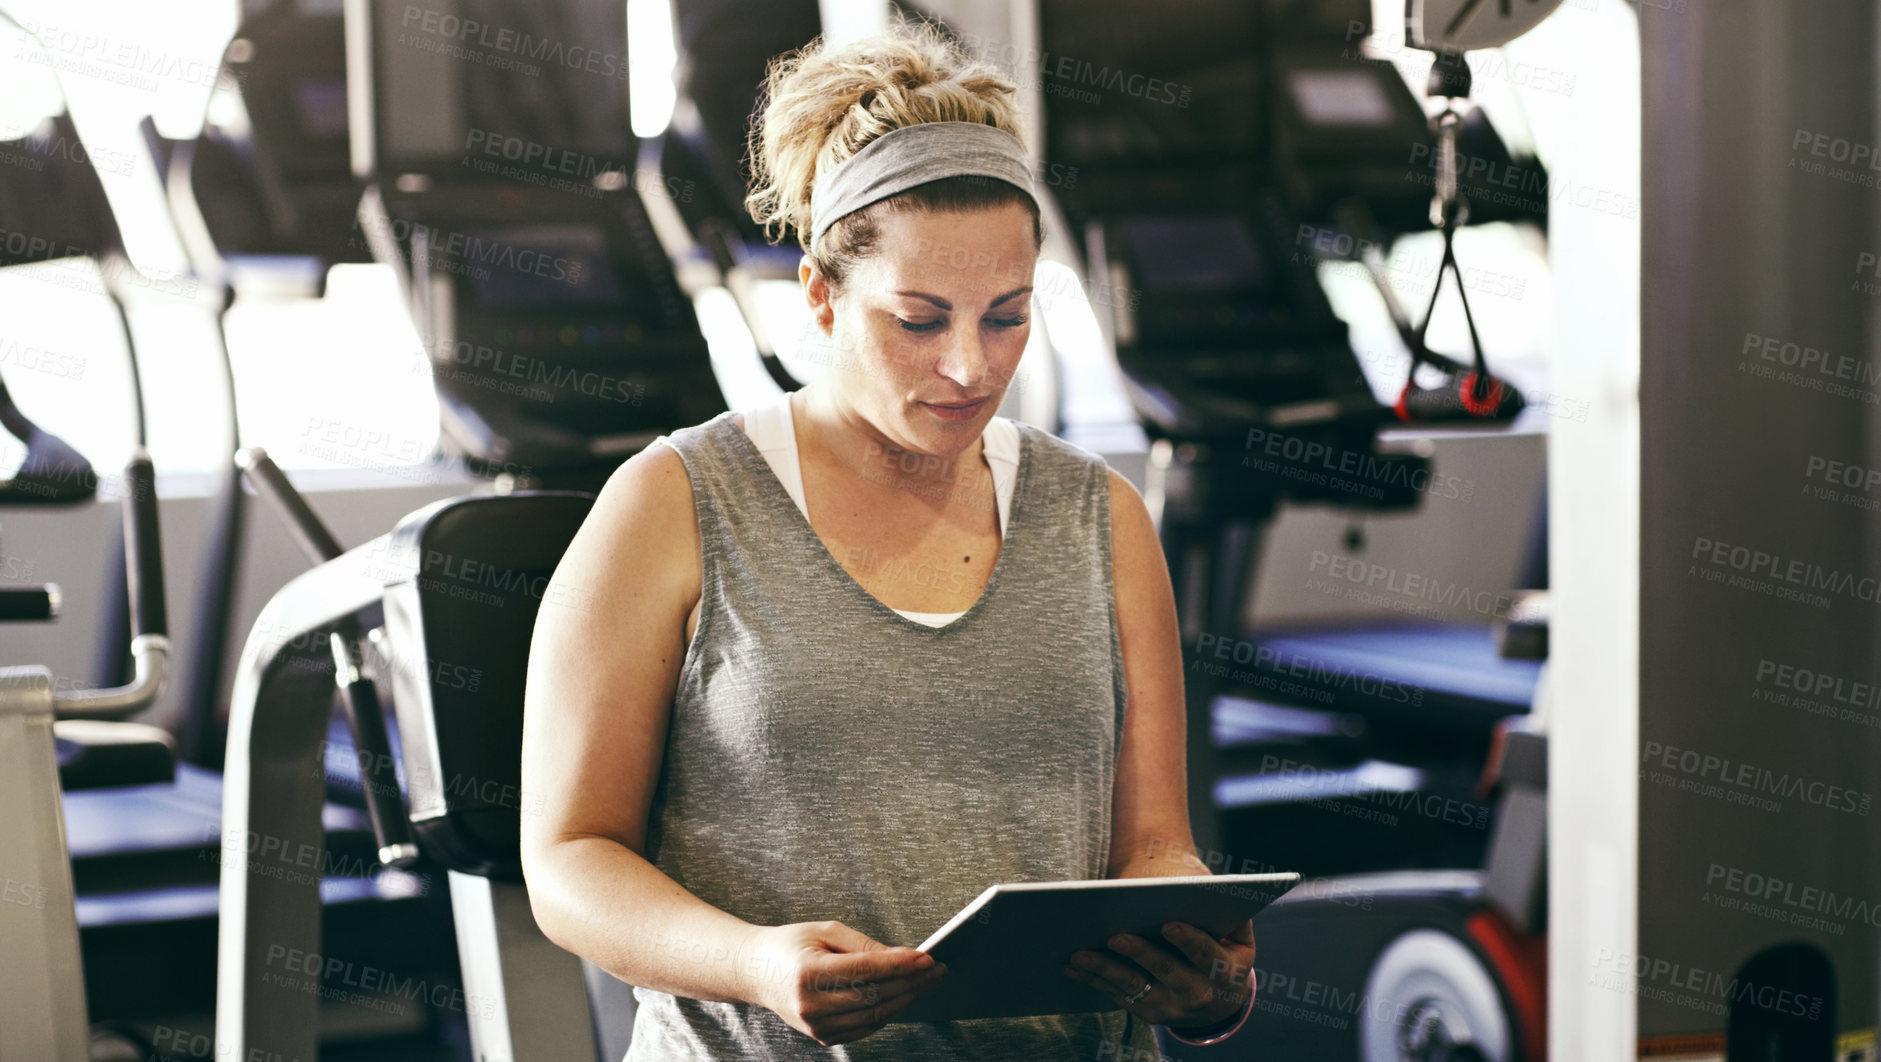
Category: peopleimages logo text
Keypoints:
(510, 41)
(1795, 894)
(1365, 468)
(1755, 778)
(1791, 570)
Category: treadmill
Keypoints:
(1189, 211)
(142, 823)
(724, 47)
(503, 195)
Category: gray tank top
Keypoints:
(829, 758)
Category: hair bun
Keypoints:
(825, 104)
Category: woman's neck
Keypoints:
(838, 436)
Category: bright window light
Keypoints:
(29, 89)
(786, 318)
(1066, 308)
(1071, 322)
(63, 358)
(651, 56)
(849, 20)
(734, 353)
(338, 382)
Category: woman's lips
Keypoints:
(956, 411)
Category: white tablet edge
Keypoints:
(1099, 883)
(965, 913)
(1275, 878)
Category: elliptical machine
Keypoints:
(43, 1010)
(141, 834)
(559, 344)
(42, 985)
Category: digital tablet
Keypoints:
(1006, 951)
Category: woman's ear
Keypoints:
(816, 292)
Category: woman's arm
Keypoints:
(1149, 835)
(1187, 979)
(598, 700)
(596, 711)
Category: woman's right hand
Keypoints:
(830, 982)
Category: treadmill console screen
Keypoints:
(543, 265)
(1124, 82)
(1340, 98)
(544, 83)
(320, 106)
(1212, 252)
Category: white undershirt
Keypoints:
(773, 430)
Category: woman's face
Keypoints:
(925, 336)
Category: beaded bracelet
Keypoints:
(1219, 1037)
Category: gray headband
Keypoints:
(914, 155)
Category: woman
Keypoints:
(859, 655)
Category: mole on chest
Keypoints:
(935, 571)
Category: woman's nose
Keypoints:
(965, 360)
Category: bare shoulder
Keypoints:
(1145, 599)
(1132, 534)
(641, 537)
(643, 525)
(649, 489)
(1122, 491)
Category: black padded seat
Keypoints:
(474, 572)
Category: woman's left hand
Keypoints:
(1194, 980)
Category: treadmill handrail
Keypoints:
(151, 653)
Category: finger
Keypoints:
(1102, 985)
(875, 991)
(873, 965)
(1119, 976)
(852, 995)
(859, 1017)
(843, 996)
(1150, 1006)
(846, 938)
(1200, 948)
(855, 1024)
(1243, 933)
(1160, 962)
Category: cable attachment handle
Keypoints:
(1471, 393)
(1448, 209)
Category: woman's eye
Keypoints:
(923, 326)
(1008, 322)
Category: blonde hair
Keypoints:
(825, 104)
